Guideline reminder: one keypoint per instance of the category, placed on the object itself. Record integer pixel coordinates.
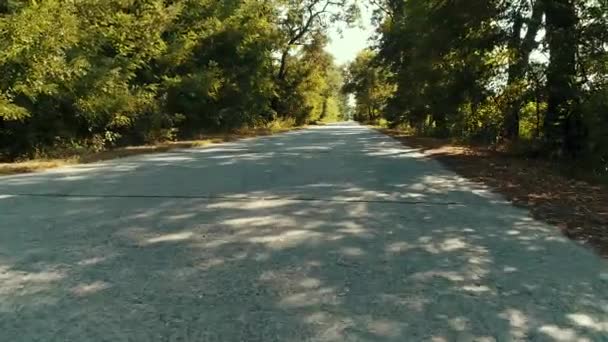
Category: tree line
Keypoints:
(92, 74)
(523, 72)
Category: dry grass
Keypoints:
(91, 157)
(32, 166)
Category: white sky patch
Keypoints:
(346, 45)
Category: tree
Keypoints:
(303, 19)
(313, 85)
(438, 52)
(91, 74)
(474, 70)
(564, 131)
(519, 55)
(370, 84)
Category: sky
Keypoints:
(346, 46)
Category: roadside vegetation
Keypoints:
(516, 91)
(527, 76)
(79, 78)
(57, 158)
(513, 94)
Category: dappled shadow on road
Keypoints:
(551, 190)
(325, 239)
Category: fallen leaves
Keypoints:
(577, 208)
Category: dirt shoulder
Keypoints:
(86, 157)
(578, 208)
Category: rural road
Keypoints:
(333, 233)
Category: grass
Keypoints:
(35, 165)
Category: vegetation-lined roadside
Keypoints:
(525, 73)
(82, 79)
(100, 75)
(524, 83)
(577, 207)
(87, 156)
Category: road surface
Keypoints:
(334, 233)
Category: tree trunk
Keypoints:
(283, 67)
(537, 127)
(520, 54)
(324, 109)
(564, 130)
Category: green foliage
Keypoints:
(12, 112)
(103, 73)
(371, 86)
(497, 71)
(311, 90)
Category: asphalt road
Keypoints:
(334, 233)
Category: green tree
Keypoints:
(370, 84)
(93, 74)
(521, 42)
(478, 69)
(564, 131)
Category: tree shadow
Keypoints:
(536, 184)
(279, 241)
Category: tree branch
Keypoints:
(382, 8)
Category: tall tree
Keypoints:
(437, 51)
(564, 131)
(522, 42)
(370, 84)
(303, 19)
(466, 69)
(92, 74)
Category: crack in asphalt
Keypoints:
(249, 198)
